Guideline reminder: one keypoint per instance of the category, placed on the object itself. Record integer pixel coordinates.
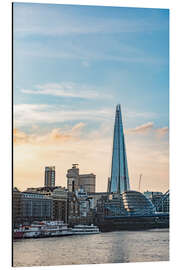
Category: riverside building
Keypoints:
(59, 197)
(60, 204)
(80, 208)
(35, 206)
(17, 211)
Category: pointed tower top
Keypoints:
(118, 107)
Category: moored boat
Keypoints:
(55, 228)
(33, 231)
(85, 229)
(18, 233)
(52, 229)
(42, 229)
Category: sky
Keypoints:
(71, 66)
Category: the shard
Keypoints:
(119, 181)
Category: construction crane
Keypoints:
(140, 181)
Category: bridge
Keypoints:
(163, 205)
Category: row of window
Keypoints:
(33, 196)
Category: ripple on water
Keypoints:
(111, 247)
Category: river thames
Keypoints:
(109, 247)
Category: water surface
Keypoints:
(109, 247)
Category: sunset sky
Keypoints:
(72, 66)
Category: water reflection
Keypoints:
(113, 247)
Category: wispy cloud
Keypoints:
(86, 52)
(55, 136)
(30, 114)
(67, 89)
(34, 114)
(148, 127)
(62, 28)
(142, 128)
(162, 131)
(32, 19)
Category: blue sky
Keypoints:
(73, 64)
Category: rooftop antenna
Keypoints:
(140, 181)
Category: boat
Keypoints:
(55, 228)
(85, 229)
(42, 229)
(33, 231)
(18, 233)
(51, 229)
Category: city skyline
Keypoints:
(72, 66)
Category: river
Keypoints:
(108, 247)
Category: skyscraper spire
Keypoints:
(119, 170)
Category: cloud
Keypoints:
(51, 148)
(30, 114)
(118, 53)
(78, 127)
(54, 21)
(63, 27)
(20, 137)
(162, 131)
(55, 136)
(66, 89)
(34, 114)
(93, 154)
(141, 129)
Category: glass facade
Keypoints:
(135, 203)
(119, 181)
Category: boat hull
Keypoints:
(81, 233)
(18, 235)
(47, 234)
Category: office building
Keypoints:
(97, 196)
(35, 206)
(119, 181)
(73, 178)
(87, 182)
(60, 204)
(76, 181)
(49, 179)
(59, 197)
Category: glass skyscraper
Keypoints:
(119, 181)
